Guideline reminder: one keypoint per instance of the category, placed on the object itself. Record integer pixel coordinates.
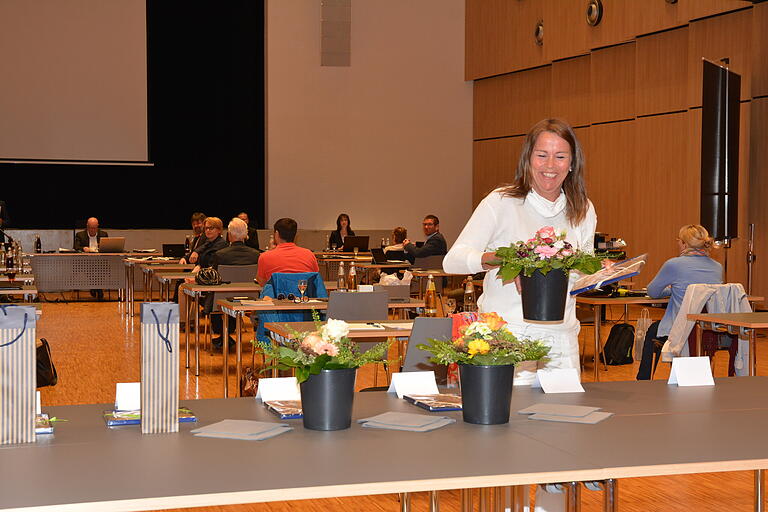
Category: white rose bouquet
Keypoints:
(325, 348)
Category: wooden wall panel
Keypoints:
(665, 189)
(655, 16)
(662, 71)
(499, 36)
(494, 163)
(571, 90)
(619, 23)
(566, 33)
(613, 83)
(758, 206)
(509, 105)
(702, 8)
(760, 50)
(610, 166)
(729, 35)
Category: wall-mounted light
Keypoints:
(594, 12)
(538, 33)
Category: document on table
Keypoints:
(245, 430)
(406, 421)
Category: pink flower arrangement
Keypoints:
(315, 343)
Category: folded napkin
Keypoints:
(406, 421)
(246, 430)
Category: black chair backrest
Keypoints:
(354, 306)
(238, 273)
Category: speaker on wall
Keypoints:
(720, 151)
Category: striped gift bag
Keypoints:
(159, 367)
(17, 374)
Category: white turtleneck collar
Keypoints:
(545, 207)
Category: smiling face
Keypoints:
(550, 161)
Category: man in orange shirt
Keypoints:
(286, 256)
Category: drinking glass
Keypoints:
(333, 246)
(355, 250)
(302, 288)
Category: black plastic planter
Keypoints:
(326, 399)
(544, 296)
(486, 392)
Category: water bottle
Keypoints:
(352, 281)
(470, 301)
(38, 245)
(341, 284)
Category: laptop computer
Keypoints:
(112, 244)
(361, 242)
(173, 250)
(380, 257)
(397, 293)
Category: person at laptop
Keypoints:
(434, 245)
(238, 253)
(198, 222)
(88, 240)
(286, 256)
(343, 230)
(252, 240)
(396, 251)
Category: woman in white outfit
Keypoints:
(548, 190)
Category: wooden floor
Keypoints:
(94, 347)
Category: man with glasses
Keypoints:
(434, 245)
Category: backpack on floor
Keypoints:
(618, 348)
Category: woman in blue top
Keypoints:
(693, 266)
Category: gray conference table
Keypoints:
(657, 430)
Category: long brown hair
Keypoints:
(577, 203)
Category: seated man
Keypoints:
(236, 254)
(434, 245)
(286, 256)
(253, 237)
(197, 221)
(88, 241)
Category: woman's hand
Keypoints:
(489, 260)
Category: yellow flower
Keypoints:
(459, 342)
(478, 347)
(493, 320)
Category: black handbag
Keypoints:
(46, 371)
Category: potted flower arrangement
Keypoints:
(543, 263)
(325, 361)
(487, 353)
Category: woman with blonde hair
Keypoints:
(692, 266)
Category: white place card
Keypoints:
(278, 388)
(558, 380)
(413, 383)
(691, 371)
(365, 287)
(38, 409)
(128, 396)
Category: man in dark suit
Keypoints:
(197, 221)
(434, 245)
(4, 219)
(253, 237)
(236, 254)
(88, 240)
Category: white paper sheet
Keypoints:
(559, 380)
(691, 371)
(413, 383)
(279, 388)
(128, 396)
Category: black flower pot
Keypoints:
(326, 399)
(486, 392)
(544, 296)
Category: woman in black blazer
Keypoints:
(343, 230)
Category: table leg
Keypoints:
(225, 350)
(597, 309)
(759, 489)
(572, 496)
(611, 495)
(517, 498)
(434, 501)
(239, 351)
(131, 291)
(197, 333)
(752, 354)
(466, 500)
(405, 502)
(187, 304)
(699, 335)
